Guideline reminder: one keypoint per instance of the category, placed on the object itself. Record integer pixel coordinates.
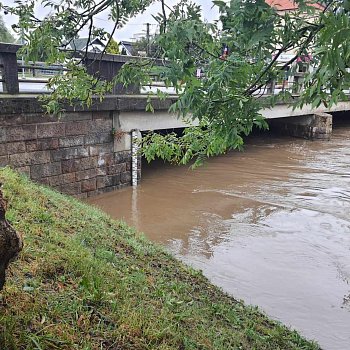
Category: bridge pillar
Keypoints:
(316, 126)
(122, 138)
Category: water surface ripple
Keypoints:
(270, 225)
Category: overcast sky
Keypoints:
(136, 24)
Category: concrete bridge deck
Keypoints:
(131, 110)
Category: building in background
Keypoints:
(92, 45)
(283, 6)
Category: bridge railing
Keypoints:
(107, 66)
(18, 76)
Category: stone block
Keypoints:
(12, 119)
(85, 174)
(4, 160)
(71, 141)
(116, 169)
(11, 148)
(20, 105)
(321, 130)
(71, 188)
(69, 153)
(102, 181)
(42, 145)
(89, 126)
(37, 157)
(105, 159)
(101, 171)
(101, 125)
(116, 179)
(78, 128)
(322, 136)
(45, 170)
(16, 147)
(3, 149)
(62, 179)
(88, 185)
(32, 145)
(107, 181)
(323, 123)
(92, 193)
(101, 115)
(48, 144)
(125, 177)
(100, 149)
(311, 126)
(73, 165)
(93, 139)
(81, 195)
(48, 130)
(18, 133)
(122, 157)
(44, 181)
(39, 118)
(119, 187)
(24, 170)
(123, 143)
(76, 116)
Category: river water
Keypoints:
(270, 225)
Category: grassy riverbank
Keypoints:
(85, 281)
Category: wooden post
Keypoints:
(9, 67)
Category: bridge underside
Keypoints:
(306, 122)
(128, 120)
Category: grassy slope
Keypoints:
(85, 281)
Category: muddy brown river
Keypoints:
(270, 225)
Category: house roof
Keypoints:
(80, 43)
(288, 5)
(128, 46)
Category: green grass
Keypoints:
(85, 281)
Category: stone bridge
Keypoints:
(90, 151)
(86, 152)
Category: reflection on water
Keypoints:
(270, 225)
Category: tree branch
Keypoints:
(312, 34)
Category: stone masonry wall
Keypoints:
(73, 154)
(316, 126)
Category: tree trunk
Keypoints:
(10, 242)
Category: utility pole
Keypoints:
(148, 38)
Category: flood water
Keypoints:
(270, 225)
